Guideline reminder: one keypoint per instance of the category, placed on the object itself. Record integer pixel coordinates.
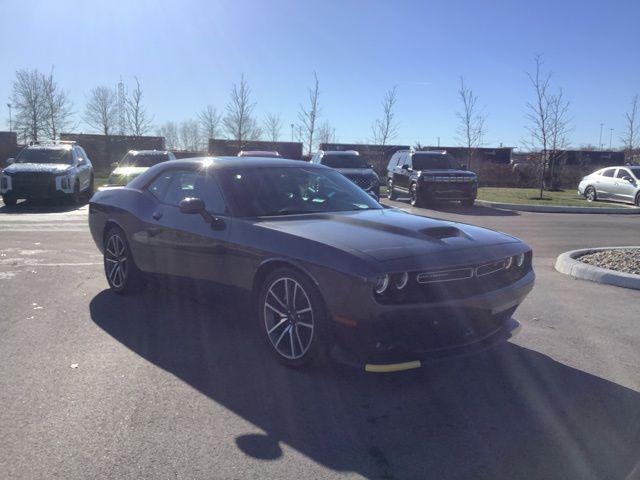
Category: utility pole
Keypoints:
(610, 137)
(438, 142)
(292, 132)
(600, 142)
(10, 127)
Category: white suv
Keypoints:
(47, 170)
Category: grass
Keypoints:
(530, 196)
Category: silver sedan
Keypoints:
(617, 184)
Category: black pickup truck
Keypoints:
(426, 177)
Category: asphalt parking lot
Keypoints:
(173, 384)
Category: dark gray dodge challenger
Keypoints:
(331, 270)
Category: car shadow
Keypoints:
(509, 413)
(43, 206)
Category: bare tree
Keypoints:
(239, 122)
(210, 122)
(471, 127)
(632, 129)
(57, 106)
(385, 129)
(308, 116)
(539, 117)
(272, 126)
(137, 120)
(190, 138)
(101, 111)
(326, 133)
(169, 131)
(28, 99)
(558, 131)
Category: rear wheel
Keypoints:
(123, 275)
(291, 318)
(590, 194)
(391, 191)
(9, 201)
(637, 202)
(90, 188)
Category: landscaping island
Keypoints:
(530, 196)
(622, 260)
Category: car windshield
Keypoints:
(45, 155)
(143, 159)
(430, 161)
(292, 190)
(343, 161)
(635, 171)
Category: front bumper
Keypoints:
(414, 334)
(448, 190)
(33, 186)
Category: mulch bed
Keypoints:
(624, 260)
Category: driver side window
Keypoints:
(172, 187)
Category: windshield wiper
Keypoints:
(294, 211)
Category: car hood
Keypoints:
(387, 234)
(356, 172)
(38, 168)
(445, 171)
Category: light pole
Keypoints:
(610, 137)
(600, 142)
(292, 132)
(10, 126)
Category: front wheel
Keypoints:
(637, 202)
(590, 194)
(414, 195)
(123, 275)
(291, 318)
(90, 189)
(9, 201)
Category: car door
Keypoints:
(624, 186)
(187, 244)
(400, 174)
(605, 184)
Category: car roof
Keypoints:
(340, 152)
(50, 146)
(234, 162)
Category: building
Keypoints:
(223, 148)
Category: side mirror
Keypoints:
(370, 166)
(630, 180)
(82, 161)
(10, 161)
(405, 167)
(192, 205)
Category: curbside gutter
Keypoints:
(567, 264)
(560, 209)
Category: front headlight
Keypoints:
(520, 260)
(400, 280)
(381, 285)
(65, 182)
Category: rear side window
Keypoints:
(181, 186)
(395, 158)
(159, 186)
(609, 172)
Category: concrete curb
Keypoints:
(560, 209)
(567, 264)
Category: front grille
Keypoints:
(365, 183)
(33, 184)
(448, 178)
(459, 283)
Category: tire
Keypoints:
(391, 193)
(90, 190)
(590, 194)
(117, 253)
(637, 201)
(75, 196)
(468, 202)
(295, 334)
(9, 201)
(414, 195)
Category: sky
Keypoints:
(188, 54)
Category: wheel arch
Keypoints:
(269, 265)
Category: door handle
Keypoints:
(156, 215)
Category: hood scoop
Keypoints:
(440, 233)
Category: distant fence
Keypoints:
(222, 148)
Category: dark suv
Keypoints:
(351, 165)
(430, 176)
